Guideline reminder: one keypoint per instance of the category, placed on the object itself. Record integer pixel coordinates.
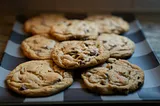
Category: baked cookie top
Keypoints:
(119, 46)
(109, 23)
(42, 24)
(114, 77)
(38, 46)
(79, 54)
(38, 78)
(74, 30)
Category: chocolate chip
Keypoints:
(69, 24)
(23, 87)
(77, 55)
(123, 45)
(92, 53)
(139, 83)
(138, 77)
(82, 63)
(58, 80)
(104, 41)
(74, 51)
(73, 48)
(110, 67)
(107, 75)
(129, 72)
(103, 83)
(99, 33)
(86, 44)
(86, 31)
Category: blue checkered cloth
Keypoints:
(143, 57)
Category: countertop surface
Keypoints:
(150, 25)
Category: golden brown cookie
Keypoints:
(79, 54)
(38, 47)
(114, 77)
(119, 46)
(38, 78)
(109, 23)
(74, 30)
(42, 24)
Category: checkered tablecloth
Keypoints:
(143, 57)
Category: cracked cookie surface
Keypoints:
(114, 77)
(119, 46)
(42, 24)
(38, 78)
(38, 47)
(75, 30)
(109, 23)
(79, 54)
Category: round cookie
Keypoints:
(74, 30)
(114, 77)
(109, 23)
(38, 78)
(38, 47)
(119, 46)
(42, 24)
(79, 54)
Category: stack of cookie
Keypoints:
(60, 46)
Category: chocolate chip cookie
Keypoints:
(74, 30)
(114, 77)
(79, 54)
(38, 78)
(109, 23)
(42, 24)
(119, 46)
(38, 46)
